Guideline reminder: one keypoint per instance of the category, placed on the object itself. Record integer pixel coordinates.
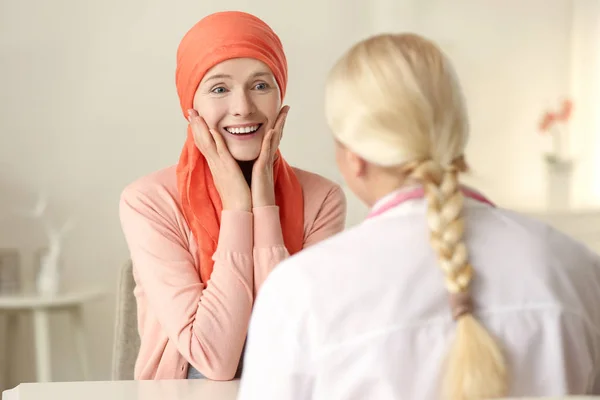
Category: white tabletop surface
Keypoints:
(196, 389)
(183, 389)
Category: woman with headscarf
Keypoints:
(439, 294)
(204, 235)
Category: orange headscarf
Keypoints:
(216, 38)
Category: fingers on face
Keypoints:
(219, 142)
(202, 136)
(277, 132)
(207, 139)
(280, 122)
(266, 143)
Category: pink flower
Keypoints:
(550, 118)
(565, 113)
(547, 121)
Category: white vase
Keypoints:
(48, 278)
(48, 284)
(558, 183)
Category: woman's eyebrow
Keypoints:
(225, 76)
(260, 73)
(217, 76)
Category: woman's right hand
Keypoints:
(227, 175)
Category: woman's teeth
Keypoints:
(243, 131)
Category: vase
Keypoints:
(558, 183)
(48, 275)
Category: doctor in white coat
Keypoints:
(439, 293)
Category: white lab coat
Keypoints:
(365, 314)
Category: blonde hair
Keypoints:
(395, 101)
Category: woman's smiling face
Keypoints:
(240, 99)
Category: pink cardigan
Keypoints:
(183, 321)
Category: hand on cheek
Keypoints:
(263, 184)
(228, 177)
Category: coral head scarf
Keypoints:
(214, 39)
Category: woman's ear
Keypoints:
(348, 162)
(357, 165)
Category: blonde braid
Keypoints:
(475, 366)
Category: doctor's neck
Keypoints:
(380, 182)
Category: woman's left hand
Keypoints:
(263, 184)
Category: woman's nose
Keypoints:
(243, 104)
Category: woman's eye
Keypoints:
(219, 90)
(261, 86)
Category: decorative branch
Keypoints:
(49, 272)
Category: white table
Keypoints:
(193, 389)
(183, 389)
(40, 308)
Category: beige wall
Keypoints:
(88, 103)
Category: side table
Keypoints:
(40, 307)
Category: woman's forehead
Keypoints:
(238, 69)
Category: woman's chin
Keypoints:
(245, 155)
